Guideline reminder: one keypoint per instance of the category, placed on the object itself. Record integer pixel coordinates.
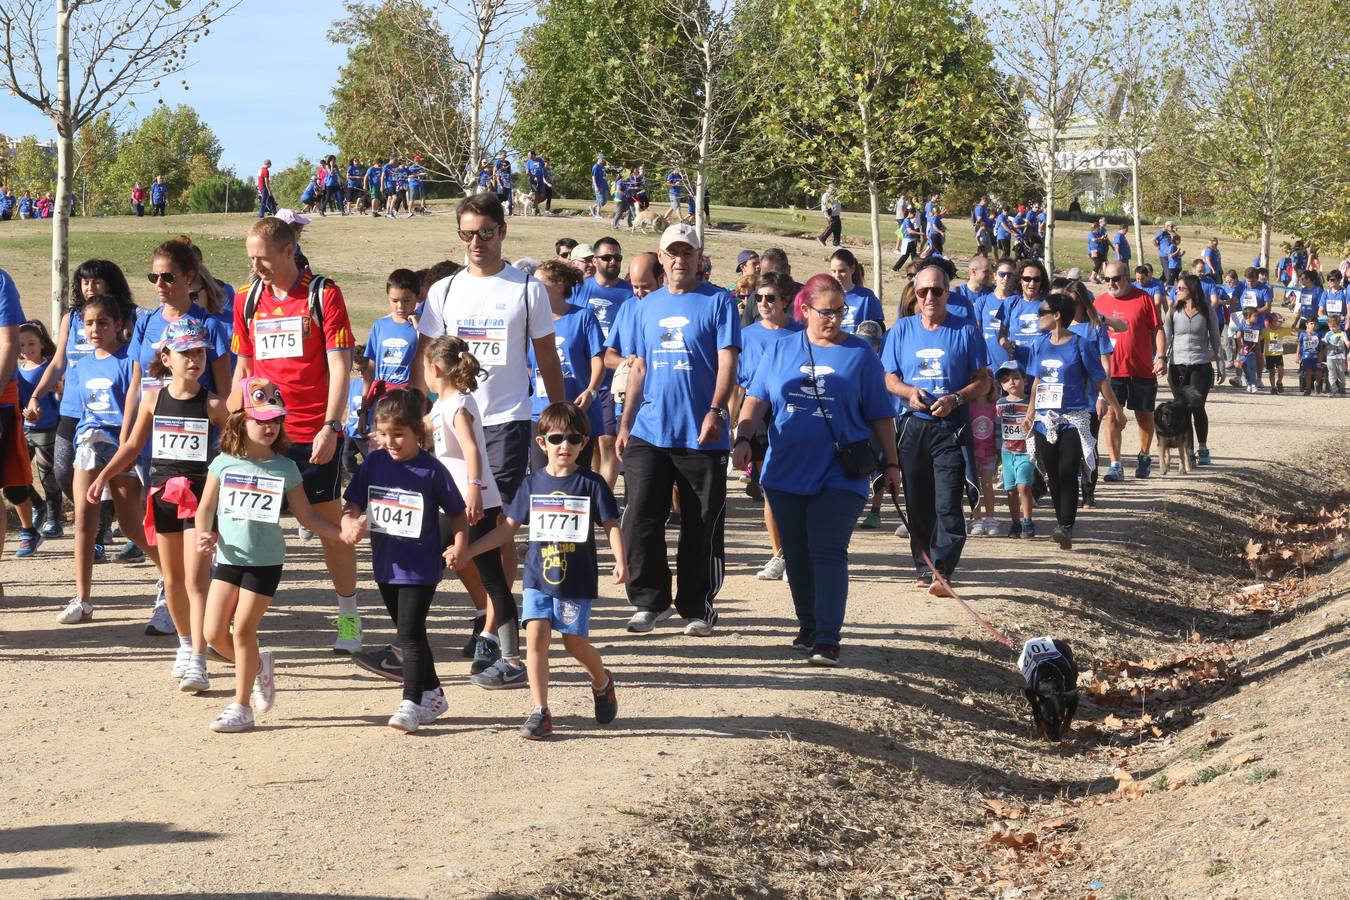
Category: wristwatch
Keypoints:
(478, 483)
(720, 410)
(335, 425)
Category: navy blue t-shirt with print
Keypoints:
(403, 493)
(564, 570)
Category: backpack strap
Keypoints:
(316, 288)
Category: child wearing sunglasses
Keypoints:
(561, 504)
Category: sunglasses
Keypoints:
(1003, 274)
(1032, 280)
(483, 234)
(610, 257)
(828, 312)
(766, 298)
(571, 438)
(156, 277)
(1045, 312)
(1112, 279)
(928, 292)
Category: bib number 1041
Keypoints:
(395, 512)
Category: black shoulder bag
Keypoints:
(858, 458)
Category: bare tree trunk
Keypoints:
(1265, 242)
(65, 141)
(1134, 191)
(874, 205)
(704, 139)
(475, 107)
(1050, 172)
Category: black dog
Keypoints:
(1172, 420)
(1052, 685)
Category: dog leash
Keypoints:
(938, 578)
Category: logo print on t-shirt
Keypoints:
(100, 394)
(813, 379)
(672, 332)
(1050, 370)
(930, 362)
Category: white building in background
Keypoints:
(1100, 174)
(12, 146)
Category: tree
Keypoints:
(1268, 108)
(95, 150)
(173, 142)
(105, 52)
(899, 91)
(33, 167)
(487, 25)
(290, 183)
(401, 91)
(1051, 49)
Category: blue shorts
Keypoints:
(566, 616)
(608, 415)
(601, 197)
(1017, 470)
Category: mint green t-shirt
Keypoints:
(248, 512)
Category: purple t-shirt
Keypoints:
(396, 497)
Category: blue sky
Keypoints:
(260, 81)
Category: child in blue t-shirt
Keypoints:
(1310, 368)
(400, 492)
(1336, 342)
(1018, 470)
(560, 503)
(392, 343)
(36, 350)
(354, 444)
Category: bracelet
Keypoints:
(740, 440)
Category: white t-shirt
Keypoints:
(498, 315)
(449, 451)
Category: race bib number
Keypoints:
(182, 439)
(1012, 430)
(395, 512)
(1335, 307)
(1035, 652)
(1251, 337)
(438, 436)
(555, 518)
(1049, 396)
(279, 338)
(1249, 301)
(253, 498)
(1275, 347)
(486, 342)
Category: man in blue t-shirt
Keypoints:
(625, 193)
(1121, 244)
(159, 196)
(605, 294)
(600, 187)
(936, 364)
(686, 337)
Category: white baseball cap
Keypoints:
(291, 217)
(680, 234)
(581, 251)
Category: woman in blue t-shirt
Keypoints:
(862, 305)
(1064, 368)
(827, 391)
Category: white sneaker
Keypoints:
(700, 627)
(644, 620)
(406, 718)
(432, 706)
(901, 530)
(76, 611)
(773, 570)
(161, 623)
(974, 526)
(195, 680)
(180, 662)
(304, 533)
(234, 719)
(991, 526)
(264, 683)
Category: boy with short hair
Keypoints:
(1336, 342)
(1018, 470)
(1272, 347)
(1309, 357)
(561, 503)
(393, 338)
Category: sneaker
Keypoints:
(1273, 390)
(1015, 529)
(644, 620)
(265, 683)
(472, 643)
(52, 528)
(485, 655)
(349, 634)
(803, 642)
(1114, 472)
(754, 491)
(100, 554)
(195, 680)
(233, 720)
(1143, 466)
(384, 662)
(180, 662)
(1028, 528)
(1063, 536)
(432, 706)
(29, 540)
(974, 526)
(901, 530)
(303, 533)
(161, 623)
(606, 703)
(1191, 457)
(406, 718)
(501, 675)
(825, 655)
(773, 569)
(539, 725)
(939, 588)
(1202, 457)
(76, 611)
(871, 520)
(130, 553)
(700, 627)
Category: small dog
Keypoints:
(649, 220)
(1172, 420)
(529, 202)
(1052, 685)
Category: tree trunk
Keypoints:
(65, 144)
(874, 205)
(704, 138)
(1050, 172)
(1134, 191)
(475, 105)
(1265, 243)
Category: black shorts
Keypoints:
(1138, 394)
(1274, 363)
(320, 481)
(166, 514)
(261, 580)
(508, 453)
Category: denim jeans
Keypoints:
(815, 530)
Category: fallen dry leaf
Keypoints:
(1243, 758)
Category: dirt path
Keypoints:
(115, 787)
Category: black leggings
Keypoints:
(408, 605)
(1062, 460)
(1200, 377)
(492, 574)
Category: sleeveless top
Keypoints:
(180, 438)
